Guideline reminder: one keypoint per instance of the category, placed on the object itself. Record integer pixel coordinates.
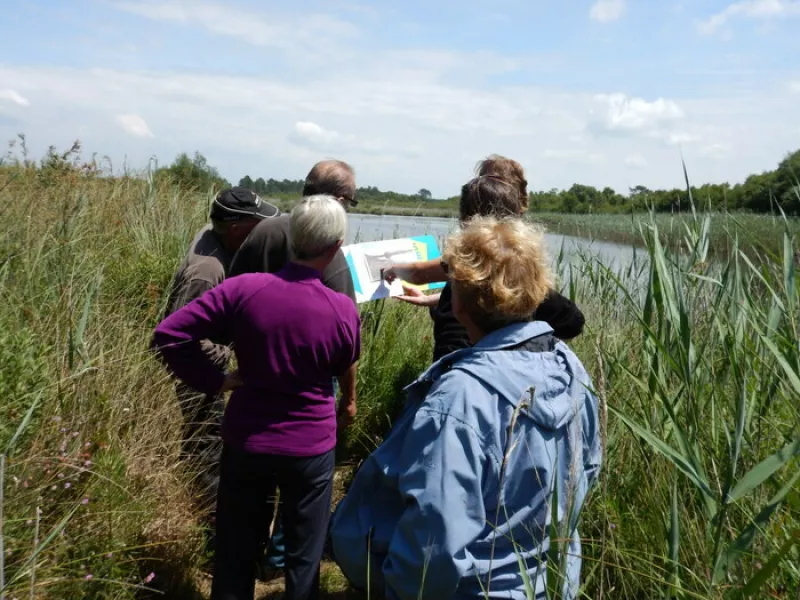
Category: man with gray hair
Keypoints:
(280, 424)
(267, 250)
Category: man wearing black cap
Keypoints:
(234, 213)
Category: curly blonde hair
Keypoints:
(500, 268)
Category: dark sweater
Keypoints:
(266, 250)
(449, 335)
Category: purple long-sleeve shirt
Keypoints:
(291, 335)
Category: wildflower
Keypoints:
(76, 433)
(89, 577)
(67, 485)
(109, 555)
(61, 476)
(53, 488)
(85, 501)
(150, 578)
(56, 419)
(612, 526)
(29, 522)
(63, 430)
(87, 445)
(87, 463)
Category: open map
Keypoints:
(368, 260)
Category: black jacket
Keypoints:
(449, 335)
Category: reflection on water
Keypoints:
(368, 228)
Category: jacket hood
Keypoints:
(556, 377)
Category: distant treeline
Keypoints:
(370, 194)
(759, 193)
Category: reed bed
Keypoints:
(694, 353)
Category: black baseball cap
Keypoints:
(237, 203)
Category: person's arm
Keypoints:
(562, 315)
(177, 339)
(418, 273)
(347, 408)
(191, 290)
(442, 468)
(418, 297)
(348, 367)
(592, 437)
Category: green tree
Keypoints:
(194, 173)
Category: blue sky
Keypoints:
(413, 94)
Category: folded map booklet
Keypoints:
(367, 262)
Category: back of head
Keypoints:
(317, 224)
(500, 269)
(333, 177)
(508, 170)
(489, 196)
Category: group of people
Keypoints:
(495, 449)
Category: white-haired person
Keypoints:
(291, 335)
(457, 502)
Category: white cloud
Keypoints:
(678, 138)
(606, 11)
(716, 151)
(750, 9)
(14, 97)
(794, 87)
(400, 132)
(134, 125)
(636, 161)
(574, 155)
(621, 113)
(304, 35)
(313, 134)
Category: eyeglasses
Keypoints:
(351, 201)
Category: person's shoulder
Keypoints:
(205, 268)
(272, 226)
(456, 392)
(342, 304)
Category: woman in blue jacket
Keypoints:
(493, 455)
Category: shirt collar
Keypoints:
(296, 272)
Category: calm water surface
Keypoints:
(368, 228)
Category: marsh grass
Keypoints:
(755, 232)
(697, 358)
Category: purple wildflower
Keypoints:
(89, 577)
(150, 578)
(85, 501)
(67, 485)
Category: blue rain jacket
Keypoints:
(492, 444)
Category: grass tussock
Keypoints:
(696, 358)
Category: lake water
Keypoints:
(368, 228)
